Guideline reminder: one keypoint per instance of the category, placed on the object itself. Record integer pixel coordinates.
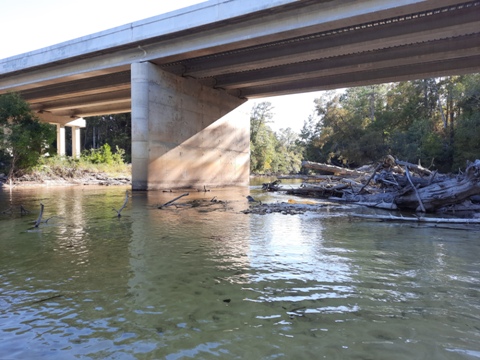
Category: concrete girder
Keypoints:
(76, 74)
(377, 76)
(431, 28)
(447, 49)
(109, 82)
(156, 39)
(183, 134)
(97, 99)
(114, 108)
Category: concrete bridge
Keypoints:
(183, 73)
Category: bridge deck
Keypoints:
(254, 50)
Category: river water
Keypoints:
(209, 282)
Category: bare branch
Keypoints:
(39, 220)
(415, 189)
(123, 206)
(168, 203)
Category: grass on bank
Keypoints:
(92, 161)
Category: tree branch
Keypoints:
(168, 203)
(39, 220)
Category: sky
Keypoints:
(27, 25)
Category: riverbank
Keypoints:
(78, 177)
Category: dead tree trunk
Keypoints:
(331, 168)
(448, 192)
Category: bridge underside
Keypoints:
(178, 84)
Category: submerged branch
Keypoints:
(168, 203)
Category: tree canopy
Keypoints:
(23, 138)
(271, 153)
(432, 121)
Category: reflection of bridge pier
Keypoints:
(175, 252)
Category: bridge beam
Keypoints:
(185, 134)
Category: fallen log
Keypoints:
(417, 168)
(417, 219)
(447, 192)
(272, 186)
(336, 170)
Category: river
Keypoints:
(209, 282)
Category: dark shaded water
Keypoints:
(184, 283)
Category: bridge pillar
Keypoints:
(76, 148)
(185, 134)
(61, 122)
(61, 139)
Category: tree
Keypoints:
(289, 152)
(24, 138)
(262, 139)
(115, 130)
(467, 131)
(432, 121)
(272, 153)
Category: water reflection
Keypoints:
(188, 282)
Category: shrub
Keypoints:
(104, 155)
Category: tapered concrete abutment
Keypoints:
(185, 134)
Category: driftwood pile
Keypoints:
(395, 184)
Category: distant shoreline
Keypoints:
(87, 179)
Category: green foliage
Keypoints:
(114, 130)
(467, 131)
(432, 121)
(103, 155)
(271, 153)
(67, 167)
(23, 138)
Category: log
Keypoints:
(396, 180)
(336, 170)
(448, 192)
(418, 168)
(418, 219)
(272, 186)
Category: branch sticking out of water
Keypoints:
(39, 220)
(123, 206)
(168, 203)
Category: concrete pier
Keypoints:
(61, 122)
(185, 134)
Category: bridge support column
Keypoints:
(61, 139)
(61, 122)
(185, 134)
(75, 142)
